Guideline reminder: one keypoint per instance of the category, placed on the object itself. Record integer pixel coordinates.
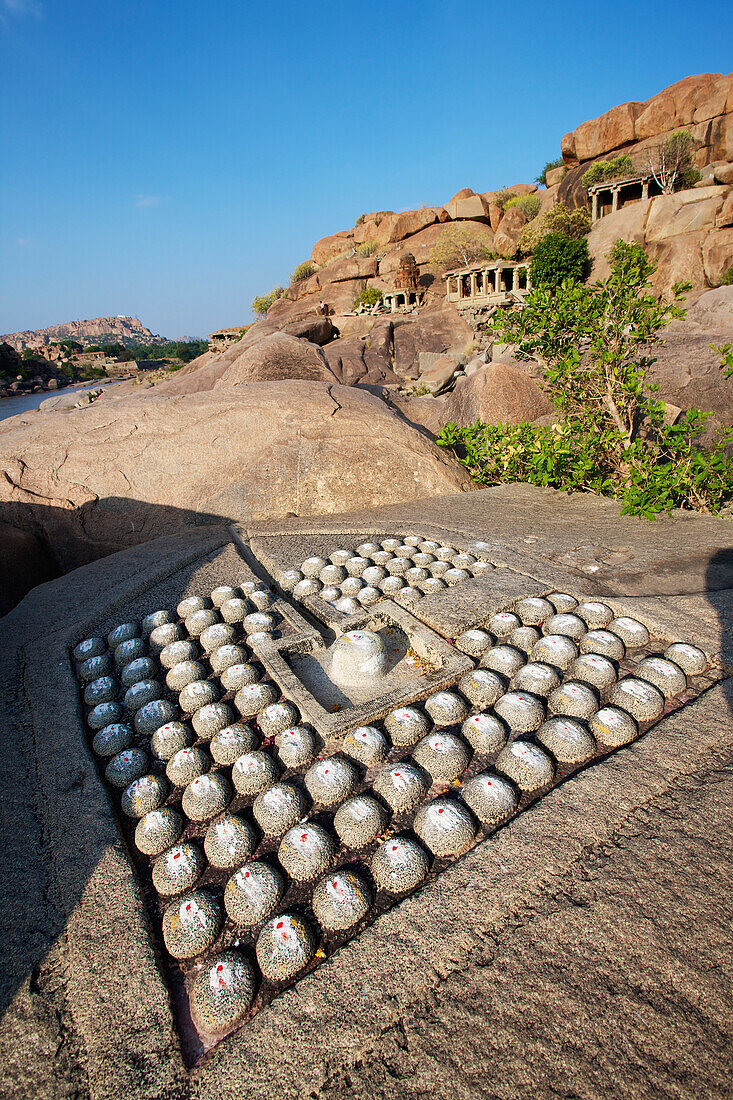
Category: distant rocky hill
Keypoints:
(108, 330)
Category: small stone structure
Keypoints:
(408, 273)
(611, 195)
(403, 301)
(223, 338)
(499, 282)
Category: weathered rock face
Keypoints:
(497, 394)
(438, 328)
(506, 238)
(676, 230)
(712, 312)
(699, 102)
(276, 358)
(77, 481)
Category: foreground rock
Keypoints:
(276, 358)
(129, 469)
(498, 393)
(625, 868)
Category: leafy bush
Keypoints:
(619, 166)
(612, 437)
(542, 178)
(528, 204)
(558, 257)
(726, 278)
(360, 220)
(302, 271)
(262, 302)
(369, 296)
(558, 219)
(504, 196)
(461, 245)
(368, 248)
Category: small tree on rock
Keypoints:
(460, 246)
(670, 162)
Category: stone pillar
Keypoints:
(474, 289)
(645, 189)
(595, 206)
(614, 199)
(515, 279)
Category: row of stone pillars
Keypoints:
(615, 189)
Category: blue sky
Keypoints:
(172, 160)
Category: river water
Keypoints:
(11, 406)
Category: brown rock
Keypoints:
(275, 358)
(467, 205)
(679, 259)
(717, 254)
(567, 149)
(720, 138)
(318, 330)
(125, 471)
(611, 130)
(506, 238)
(329, 247)
(627, 224)
(684, 212)
(424, 413)
(712, 312)
(495, 215)
(687, 371)
(725, 214)
(412, 221)
(724, 173)
(497, 394)
(694, 99)
(437, 376)
(438, 328)
(555, 175)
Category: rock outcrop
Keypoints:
(498, 393)
(276, 358)
(124, 470)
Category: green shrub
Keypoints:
(558, 219)
(368, 248)
(504, 196)
(542, 178)
(528, 204)
(726, 278)
(369, 296)
(262, 302)
(611, 437)
(461, 245)
(302, 271)
(360, 220)
(558, 257)
(619, 166)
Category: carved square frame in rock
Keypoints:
(332, 726)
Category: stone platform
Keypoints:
(583, 949)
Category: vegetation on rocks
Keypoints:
(302, 271)
(459, 246)
(670, 162)
(613, 436)
(558, 219)
(558, 257)
(726, 278)
(262, 302)
(528, 204)
(369, 296)
(615, 168)
(368, 248)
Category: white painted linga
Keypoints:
(358, 657)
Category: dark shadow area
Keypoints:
(39, 542)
